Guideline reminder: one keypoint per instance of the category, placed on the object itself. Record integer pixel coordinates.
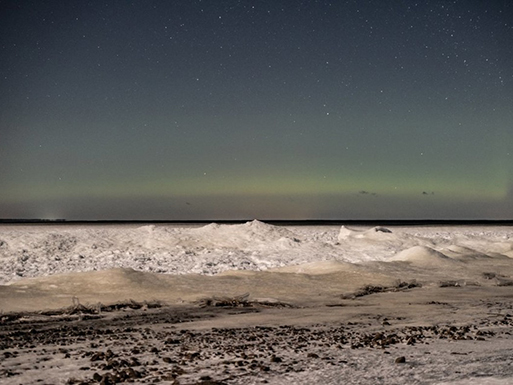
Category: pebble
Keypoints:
(123, 353)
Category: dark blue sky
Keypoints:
(256, 109)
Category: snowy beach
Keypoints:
(254, 303)
(34, 251)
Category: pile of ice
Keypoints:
(30, 251)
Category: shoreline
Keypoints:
(257, 343)
(255, 303)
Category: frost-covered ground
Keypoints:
(320, 304)
(32, 251)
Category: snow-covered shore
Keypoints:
(320, 304)
(34, 251)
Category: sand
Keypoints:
(255, 303)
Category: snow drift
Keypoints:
(36, 251)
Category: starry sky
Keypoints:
(234, 109)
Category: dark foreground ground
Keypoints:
(410, 337)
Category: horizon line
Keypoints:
(341, 221)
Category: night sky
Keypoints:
(222, 109)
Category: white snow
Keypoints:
(34, 251)
(45, 266)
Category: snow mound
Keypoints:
(378, 233)
(375, 233)
(422, 256)
(244, 235)
(316, 268)
(501, 247)
(464, 253)
(104, 281)
(345, 233)
(508, 254)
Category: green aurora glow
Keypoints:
(352, 110)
